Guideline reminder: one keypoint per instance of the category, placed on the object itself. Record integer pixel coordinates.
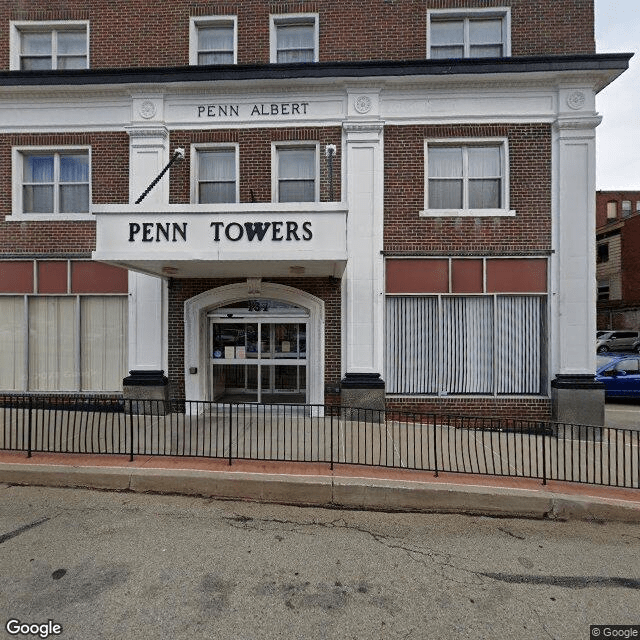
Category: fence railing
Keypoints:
(320, 433)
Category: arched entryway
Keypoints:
(251, 342)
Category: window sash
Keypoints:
(464, 345)
(465, 177)
(216, 176)
(467, 37)
(57, 48)
(296, 174)
(216, 44)
(295, 42)
(55, 182)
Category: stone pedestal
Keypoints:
(146, 392)
(365, 393)
(578, 400)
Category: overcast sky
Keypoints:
(618, 137)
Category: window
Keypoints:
(215, 174)
(466, 179)
(37, 46)
(213, 40)
(477, 34)
(50, 182)
(603, 290)
(602, 252)
(294, 38)
(612, 210)
(295, 176)
(626, 208)
(483, 345)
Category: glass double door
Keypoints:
(258, 359)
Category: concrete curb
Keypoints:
(330, 491)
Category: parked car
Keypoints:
(618, 341)
(620, 375)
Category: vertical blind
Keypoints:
(464, 344)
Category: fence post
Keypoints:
(131, 429)
(230, 429)
(544, 455)
(30, 404)
(435, 450)
(331, 440)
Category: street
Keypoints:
(622, 415)
(123, 565)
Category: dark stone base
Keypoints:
(363, 396)
(578, 400)
(146, 392)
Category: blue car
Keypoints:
(620, 375)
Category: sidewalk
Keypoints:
(315, 484)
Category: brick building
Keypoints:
(618, 259)
(380, 206)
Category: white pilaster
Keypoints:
(149, 153)
(363, 290)
(573, 270)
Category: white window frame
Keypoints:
(275, 146)
(17, 163)
(17, 27)
(196, 149)
(275, 20)
(195, 23)
(504, 13)
(504, 211)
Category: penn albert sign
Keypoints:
(262, 231)
(252, 110)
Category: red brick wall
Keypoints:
(254, 149)
(156, 32)
(631, 260)
(530, 193)
(327, 289)
(110, 184)
(604, 197)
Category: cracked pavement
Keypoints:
(123, 565)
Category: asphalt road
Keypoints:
(622, 415)
(119, 565)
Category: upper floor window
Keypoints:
(294, 38)
(213, 40)
(612, 210)
(602, 254)
(468, 34)
(37, 46)
(466, 178)
(295, 173)
(626, 208)
(52, 182)
(215, 169)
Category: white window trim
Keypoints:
(274, 165)
(505, 211)
(195, 22)
(493, 12)
(291, 18)
(17, 213)
(16, 26)
(212, 146)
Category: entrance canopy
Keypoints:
(203, 241)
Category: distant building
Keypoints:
(618, 259)
(383, 204)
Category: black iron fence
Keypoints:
(320, 433)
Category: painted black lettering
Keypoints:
(162, 229)
(304, 107)
(211, 110)
(307, 235)
(255, 111)
(256, 229)
(292, 230)
(264, 113)
(222, 110)
(200, 110)
(235, 225)
(179, 230)
(146, 231)
(233, 108)
(274, 109)
(276, 235)
(284, 109)
(295, 109)
(134, 230)
(216, 230)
